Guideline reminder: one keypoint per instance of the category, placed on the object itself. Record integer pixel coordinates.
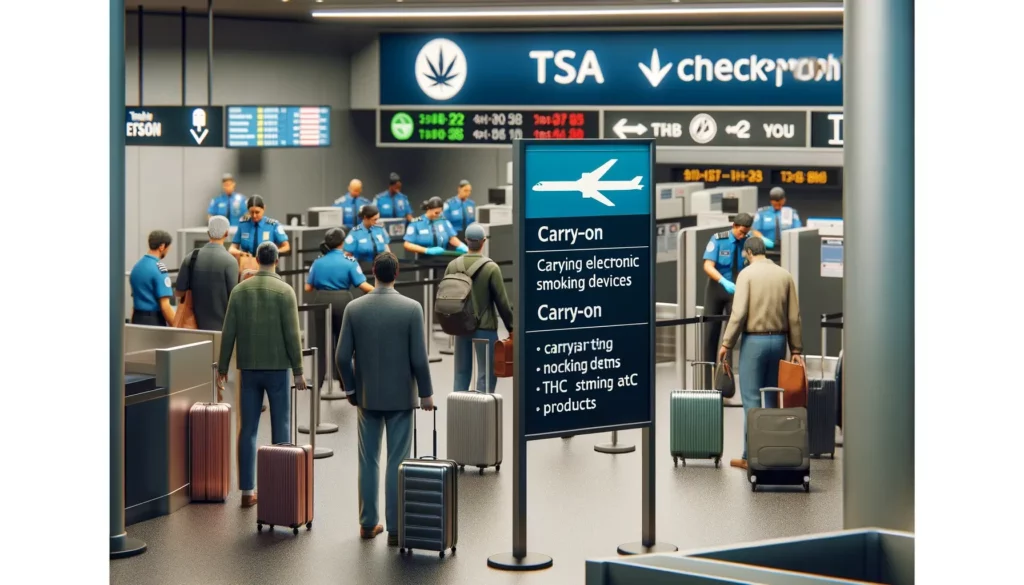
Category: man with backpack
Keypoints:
(469, 300)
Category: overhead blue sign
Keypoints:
(586, 288)
(629, 68)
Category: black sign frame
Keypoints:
(177, 120)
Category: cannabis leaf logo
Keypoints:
(441, 73)
(441, 69)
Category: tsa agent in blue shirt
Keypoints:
(256, 228)
(151, 284)
(460, 210)
(771, 221)
(367, 239)
(723, 261)
(351, 202)
(430, 233)
(331, 279)
(229, 204)
(393, 203)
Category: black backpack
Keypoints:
(453, 305)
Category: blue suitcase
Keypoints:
(428, 498)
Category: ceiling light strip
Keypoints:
(541, 12)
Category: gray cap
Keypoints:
(743, 219)
(227, 177)
(475, 232)
(463, 183)
(777, 194)
(218, 227)
(394, 178)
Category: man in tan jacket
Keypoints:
(766, 311)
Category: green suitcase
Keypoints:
(695, 425)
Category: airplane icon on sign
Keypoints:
(590, 184)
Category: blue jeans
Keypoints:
(254, 383)
(464, 361)
(759, 368)
(371, 427)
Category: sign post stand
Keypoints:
(614, 448)
(585, 234)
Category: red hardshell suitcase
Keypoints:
(210, 449)
(284, 475)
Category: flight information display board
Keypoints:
(278, 126)
(586, 286)
(484, 127)
(762, 176)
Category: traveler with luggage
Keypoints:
(263, 319)
(767, 312)
(151, 284)
(722, 263)
(431, 232)
(384, 376)
(469, 300)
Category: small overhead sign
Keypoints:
(708, 127)
(196, 126)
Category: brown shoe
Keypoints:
(249, 501)
(741, 463)
(368, 533)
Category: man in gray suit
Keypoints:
(384, 332)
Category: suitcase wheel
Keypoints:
(309, 525)
(675, 462)
(259, 527)
(295, 530)
(684, 461)
(807, 486)
(453, 550)
(441, 554)
(462, 468)
(718, 462)
(401, 551)
(497, 468)
(753, 487)
(481, 473)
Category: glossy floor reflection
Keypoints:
(582, 504)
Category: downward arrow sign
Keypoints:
(655, 73)
(199, 137)
(621, 129)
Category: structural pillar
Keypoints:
(878, 285)
(120, 544)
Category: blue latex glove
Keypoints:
(435, 251)
(462, 249)
(727, 285)
(768, 243)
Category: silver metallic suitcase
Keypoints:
(777, 445)
(475, 422)
(428, 501)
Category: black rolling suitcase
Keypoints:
(428, 499)
(821, 417)
(777, 445)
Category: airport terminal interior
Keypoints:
(649, 136)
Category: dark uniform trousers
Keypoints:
(717, 301)
(148, 318)
(338, 299)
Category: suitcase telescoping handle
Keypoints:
(213, 382)
(779, 391)
(702, 385)
(415, 441)
(312, 405)
(487, 367)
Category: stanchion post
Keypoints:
(322, 428)
(614, 448)
(331, 394)
(314, 414)
(428, 317)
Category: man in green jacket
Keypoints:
(263, 320)
(488, 294)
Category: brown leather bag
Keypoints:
(793, 381)
(185, 316)
(247, 267)
(503, 364)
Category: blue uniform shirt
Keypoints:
(150, 283)
(365, 244)
(721, 249)
(460, 213)
(350, 207)
(766, 219)
(396, 205)
(250, 234)
(426, 233)
(335, 271)
(230, 206)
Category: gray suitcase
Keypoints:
(777, 445)
(695, 423)
(475, 423)
(428, 501)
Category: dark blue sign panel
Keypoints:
(629, 68)
(174, 126)
(278, 126)
(586, 234)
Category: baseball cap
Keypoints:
(743, 220)
(777, 193)
(475, 232)
(218, 226)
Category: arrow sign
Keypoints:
(621, 129)
(199, 137)
(655, 73)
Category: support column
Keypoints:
(120, 544)
(878, 288)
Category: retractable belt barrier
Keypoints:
(692, 320)
(829, 321)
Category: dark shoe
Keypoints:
(741, 463)
(264, 409)
(249, 501)
(392, 539)
(368, 533)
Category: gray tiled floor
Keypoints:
(582, 504)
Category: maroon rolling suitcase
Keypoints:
(284, 475)
(209, 449)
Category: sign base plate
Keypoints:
(126, 547)
(614, 448)
(530, 562)
(638, 548)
